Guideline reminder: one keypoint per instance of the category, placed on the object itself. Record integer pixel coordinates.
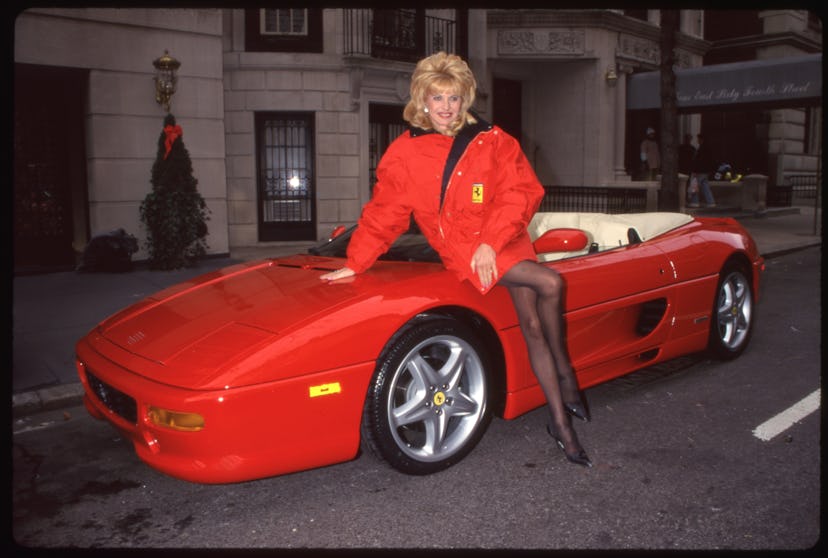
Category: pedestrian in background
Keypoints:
(686, 153)
(701, 168)
(650, 155)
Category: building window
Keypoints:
(405, 34)
(287, 21)
(283, 30)
(285, 178)
(386, 124)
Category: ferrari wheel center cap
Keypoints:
(439, 398)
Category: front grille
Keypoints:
(115, 400)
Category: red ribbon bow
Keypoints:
(173, 133)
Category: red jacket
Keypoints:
(490, 198)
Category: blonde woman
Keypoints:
(472, 193)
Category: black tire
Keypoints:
(427, 405)
(733, 313)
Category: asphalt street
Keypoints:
(678, 466)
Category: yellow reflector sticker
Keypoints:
(325, 389)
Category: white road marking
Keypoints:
(784, 420)
(41, 426)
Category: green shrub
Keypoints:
(174, 213)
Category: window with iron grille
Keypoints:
(385, 124)
(286, 183)
(398, 34)
(405, 34)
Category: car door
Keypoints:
(618, 309)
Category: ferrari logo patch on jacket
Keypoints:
(477, 193)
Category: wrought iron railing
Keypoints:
(397, 34)
(803, 185)
(797, 188)
(596, 199)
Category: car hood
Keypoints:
(193, 331)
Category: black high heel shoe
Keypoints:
(579, 458)
(577, 410)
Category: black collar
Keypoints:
(458, 146)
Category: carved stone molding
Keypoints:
(683, 59)
(633, 52)
(540, 41)
(636, 48)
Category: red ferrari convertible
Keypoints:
(261, 369)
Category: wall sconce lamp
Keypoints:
(165, 79)
(611, 76)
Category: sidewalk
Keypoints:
(52, 311)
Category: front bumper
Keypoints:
(250, 432)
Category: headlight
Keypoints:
(188, 422)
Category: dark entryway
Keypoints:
(506, 106)
(386, 124)
(50, 195)
(636, 129)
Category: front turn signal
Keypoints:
(187, 422)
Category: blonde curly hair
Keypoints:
(440, 72)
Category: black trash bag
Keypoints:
(110, 251)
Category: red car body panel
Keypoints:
(279, 363)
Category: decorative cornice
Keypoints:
(568, 42)
(599, 18)
(638, 49)
(563, 21)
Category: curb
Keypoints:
(783, 251)
(47, 399)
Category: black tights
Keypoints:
(537, 293)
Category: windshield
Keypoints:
(411, 246)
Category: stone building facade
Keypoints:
(285, 112)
